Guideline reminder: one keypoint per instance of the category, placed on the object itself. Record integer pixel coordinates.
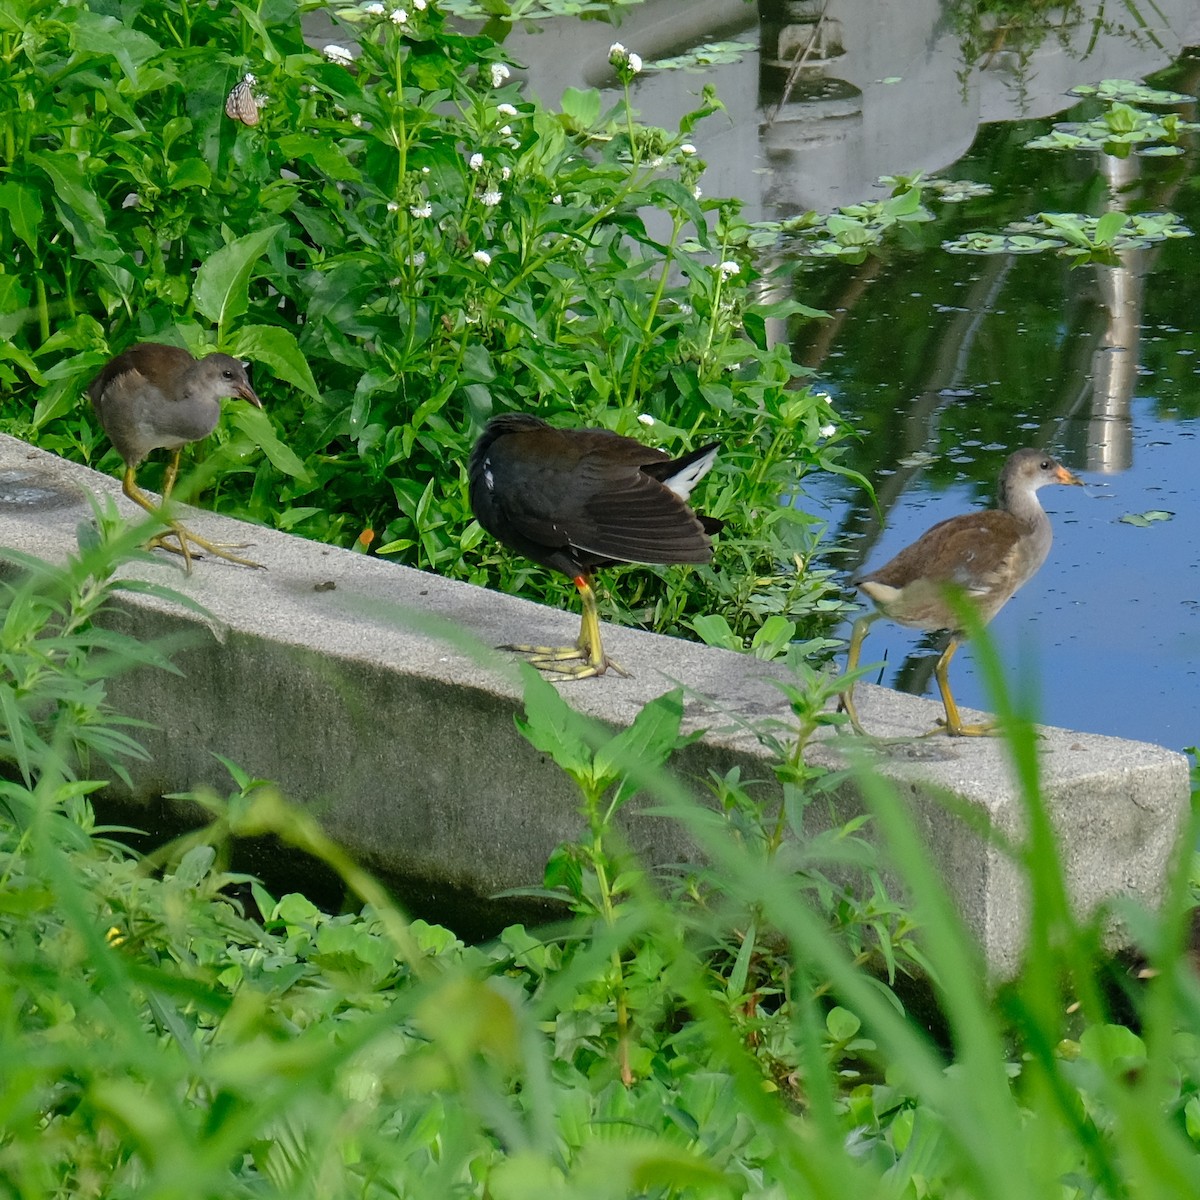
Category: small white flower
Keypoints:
(373, 10)
(655, 163)
(393, 206)
(338, 54)
(645, 418)
(131, 201)
(728, 268)
(506, 110)
(635, 63)
(556, 198)
(249, 79)
(475, 161)
(490, 199)
(424, 170)
(482, 257)
(398, 16)
(499, 74)
(422, 210)
(827, 431)
(505, 130)
(616, 50)
(506, 173)
(696, 193)
(356, 120)
(418, 259)
(687, 149)
(419, 5)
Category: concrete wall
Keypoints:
(365, 690)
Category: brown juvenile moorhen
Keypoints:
(575, 500)
(155, 396)
(981, 556)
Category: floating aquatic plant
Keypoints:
(1074, 234)
(1118, 131)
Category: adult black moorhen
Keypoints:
(983, 557)
(154, 396)
(575, 500)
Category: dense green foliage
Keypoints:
(403, 244)
(707, 1036)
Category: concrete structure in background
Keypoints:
(365, 690)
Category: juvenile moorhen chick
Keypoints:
(155, 396)
(575, 500)
(981, 556)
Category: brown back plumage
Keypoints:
(986, 555)
(158, 396)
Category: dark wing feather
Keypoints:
(575, 500)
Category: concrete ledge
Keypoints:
(320, 674)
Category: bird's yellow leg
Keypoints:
(582, 660)
(953, 723)
(176, 529)
(130, 488)
(169, 477)
(846, 698)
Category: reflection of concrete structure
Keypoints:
(879, 94)
(1108, 434)
(914, 111)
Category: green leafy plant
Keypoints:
(173, 1029)
(403, 243)
(1120, 128)
(1084, 238)
(849, 233)
(708, 54)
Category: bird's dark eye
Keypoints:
(228, 374)
(1045, 466)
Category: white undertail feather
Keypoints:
(683, 482)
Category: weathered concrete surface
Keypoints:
(363, 689)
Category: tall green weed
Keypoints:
(172, 1030)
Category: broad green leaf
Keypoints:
(24, 209)
(714, 630)
(93, 34)
(256, 425)
(842, 1024)
(1191, 1118)
(72, 190)
(1109, 225)
(583, 107)
(1141, 520)
(192, 172)
(1112, 1046)
(276, 349)
(10, 352)
(552, 726)
(221, 290)
(325, 155)
(773, 637)
(645, 745)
